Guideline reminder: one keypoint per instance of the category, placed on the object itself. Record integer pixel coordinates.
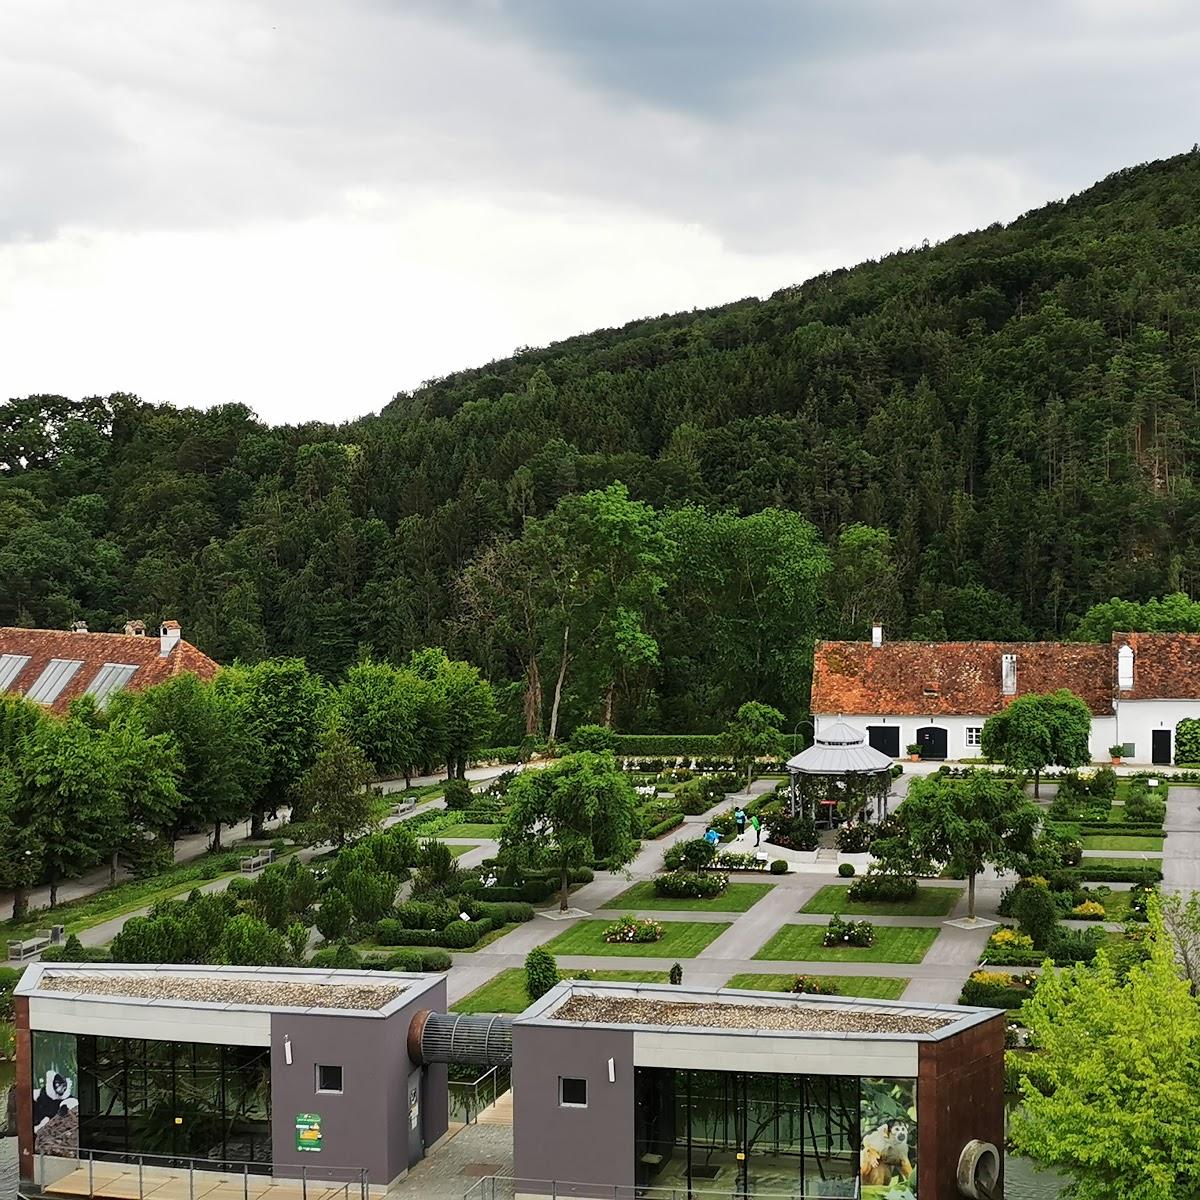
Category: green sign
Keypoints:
(308, 1131)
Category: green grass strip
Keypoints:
(872, 987)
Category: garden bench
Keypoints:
(250, 865)
(20, 950)
(400, 805)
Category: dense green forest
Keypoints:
(979, 438)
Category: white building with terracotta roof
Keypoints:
(54, 667)
(937, 695)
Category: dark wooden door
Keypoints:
(1160, 746)
(885, 739)
(932, 741)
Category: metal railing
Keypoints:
(506, 1187)
(151, 1169)
(469, 1098)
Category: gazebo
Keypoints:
(839, 771)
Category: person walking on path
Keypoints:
(740, 818)
(757, 829)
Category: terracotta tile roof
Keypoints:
(1166, 666)
(955, 678)
(94, 651)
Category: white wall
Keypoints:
(1103, 731)
(1136, 719)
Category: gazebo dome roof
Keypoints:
(839, 750)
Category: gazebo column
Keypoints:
(792, 775)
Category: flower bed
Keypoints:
(1007, 938)
(814, 985)
(633, 930)
(1088, 910)
(877, 886)
(731, 860)
(997, 989)
(849, 933)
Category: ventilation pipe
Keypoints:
(479, 1040)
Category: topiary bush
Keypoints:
(779, 866)
(541, 973)
(1036, 914)
(675, 975)
(458, 794)
(691, 885)
(595, 739)
(846, 870)
(342, 957)
(633, 930)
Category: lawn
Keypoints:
(506, 993)
(736, 898)
(870, 986)
(1120, 841)
(929, 902)
(681, 939)
(1132, 863)
(459, 851)
(893, 943)
(467, 830)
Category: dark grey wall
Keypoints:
(574, 1145)
(367, 1125)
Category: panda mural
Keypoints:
(55, 1106)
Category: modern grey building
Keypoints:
(257, 1069)
(653, 1087)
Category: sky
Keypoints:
(308, 206)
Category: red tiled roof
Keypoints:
(94, 650)
(1166, 666)
(955, 678)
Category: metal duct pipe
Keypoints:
(460, 1038)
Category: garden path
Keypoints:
(1181, 850)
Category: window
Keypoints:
(329, 1079)
(49, 684)
(974, 735)
(111, 678)
(572, 1093)
(1128, 750)
(11, 665)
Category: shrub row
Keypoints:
(691, 885)
(878, 886)
(995, 989)
(457, 935)
(671, 745)
(1070, 876)
(665, 825)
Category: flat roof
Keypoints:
(250, 989)
(649, 1006)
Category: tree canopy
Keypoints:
(1034, 732)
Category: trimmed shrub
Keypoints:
(996, 989)
(541, 973)
(1088, 910)
(342, 957)
(664, 826)
(629, 930)
(779, 866)
(417, 959)
(877, 885)
(695, 854)
(846, 870)
(461, 935)
(675, 975)
(511, 913)
(597, 739)
(1037, 914)
(849, 933)
(86, 954)
(424, 914)
(810, 985)
(671, 745)
(334, 916)
(458, 794)
(691, 885)
(1087, 870)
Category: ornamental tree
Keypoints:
(1039, 731)
(335, 791)
(752, 734)
(970, 822)
(579, 810)
(1112, 1095)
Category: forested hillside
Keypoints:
(981, 438)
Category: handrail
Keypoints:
(504, 1187)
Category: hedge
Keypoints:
(416, 959)
(457, 935)
(993, 996)
(1071, 876)
(668, 745)
(665, 826)
(506, 912)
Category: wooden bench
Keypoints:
(17, 951)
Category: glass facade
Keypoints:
(177, 1099)
(745, 1133)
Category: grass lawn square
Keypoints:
(1120, 841)
(459, 851)
(467, 830)
(870, 987)
(506, 993)
(893, 943)
(736, 898)
(928, 902)
(681, 939)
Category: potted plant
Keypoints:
(914, 752)
(1116, 752)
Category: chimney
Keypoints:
(877, 635)
(135, 628)
(168, 636)
(1125, 668)
(79, 627)
(1008, 674)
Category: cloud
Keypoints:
(377, 162)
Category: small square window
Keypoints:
(329, 1079)
(572, 1093)
(1129, 750)
(974, 735)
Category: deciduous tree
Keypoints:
(1039, 731)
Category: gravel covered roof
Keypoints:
(715, 1014)
(218, 989)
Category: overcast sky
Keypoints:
(309, 205)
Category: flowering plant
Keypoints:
(849, 933)
(633, 930)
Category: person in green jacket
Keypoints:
(757, 824)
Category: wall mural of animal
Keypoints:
(885, 1155)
